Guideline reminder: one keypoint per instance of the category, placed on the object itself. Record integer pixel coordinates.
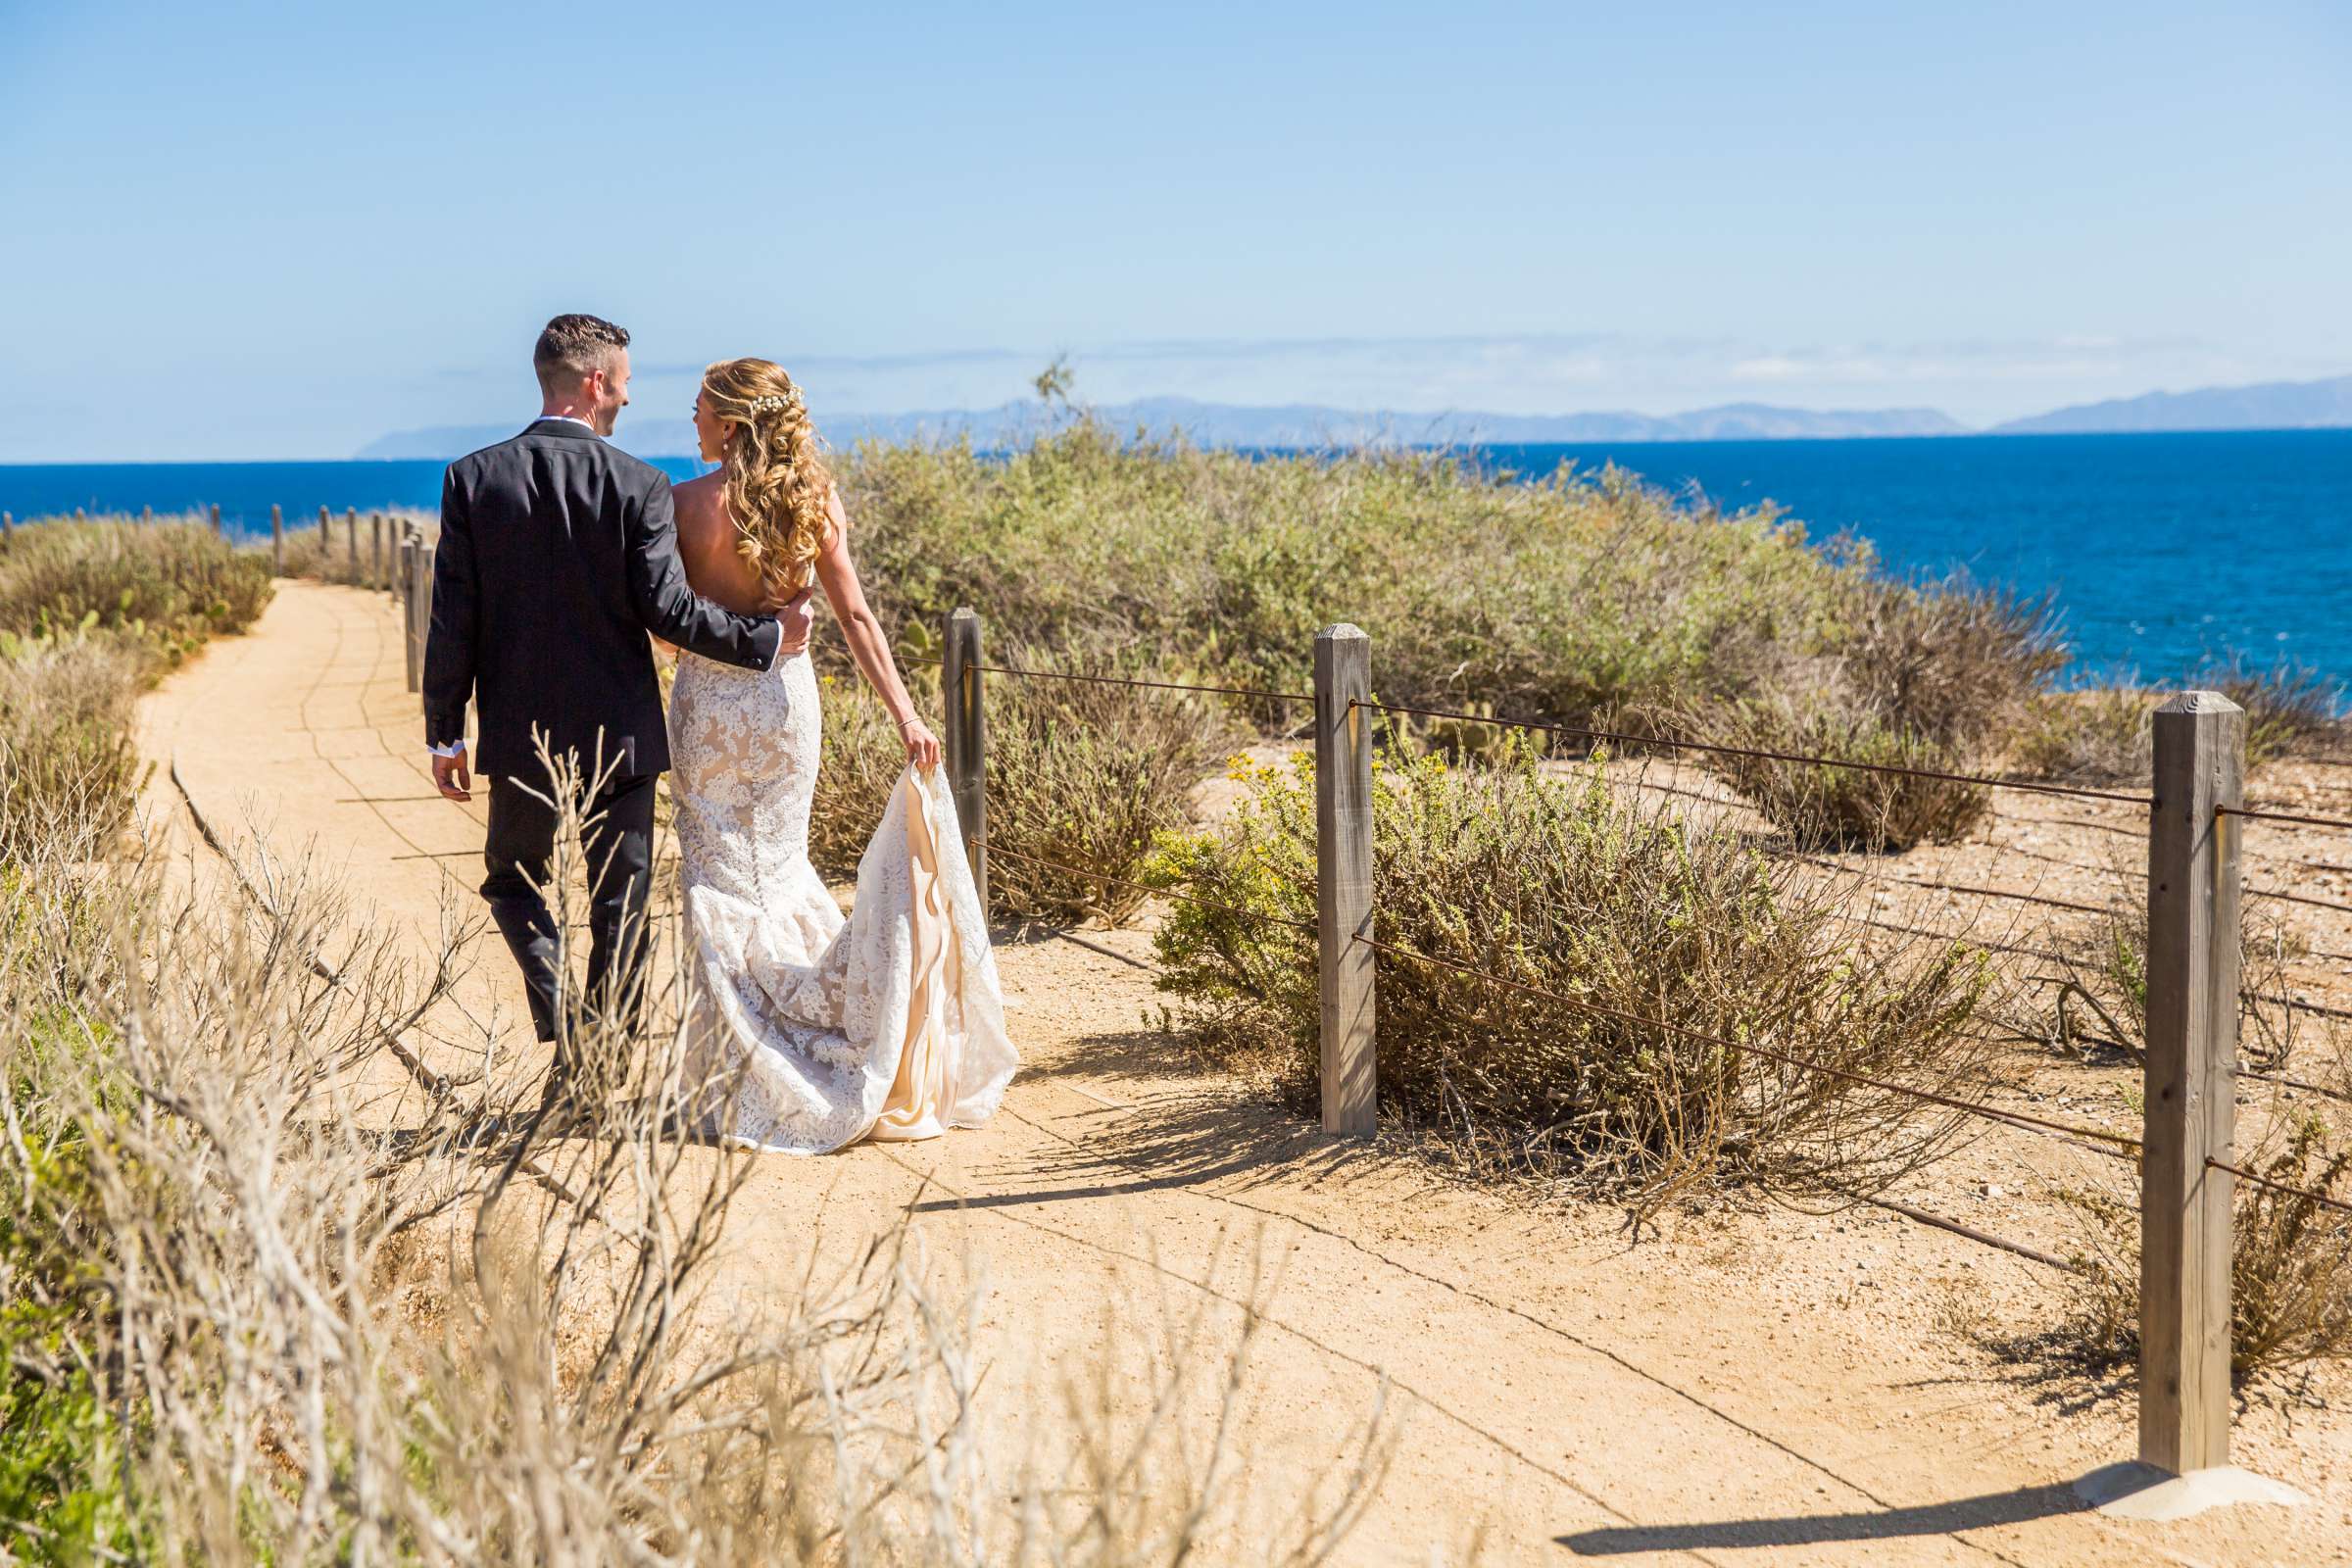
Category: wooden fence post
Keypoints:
(967, 740)
(215, 517)
(1344, 878)
(2192, 1090)
(375, 550)
(8, 524)
(420, 602)
(146, 514)
(351, 535)
(278, 540)
(412, 559)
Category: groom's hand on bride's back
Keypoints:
(796, 617)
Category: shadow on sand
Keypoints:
(1196, 1129)
(2021, 1506)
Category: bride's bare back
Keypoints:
(715, 570)
(707, 547)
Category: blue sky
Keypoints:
(272, 230)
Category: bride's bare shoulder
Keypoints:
(698, 502)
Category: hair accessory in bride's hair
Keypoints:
(771, 403)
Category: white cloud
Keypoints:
(1772, 367)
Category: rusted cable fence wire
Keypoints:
(2278, 896)
(2258, 1180)
(2253, 816)
(2013, 1118)
(1882, 879)
(1944, 1222)
(1149, 685)
(1824, 762)
(1612, 737)
(2284, 1082)
(2017, 1119)
(1620, 738)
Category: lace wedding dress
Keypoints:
(813, 1030)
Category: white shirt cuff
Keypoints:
(452, 749)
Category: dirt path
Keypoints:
(1751, 1388)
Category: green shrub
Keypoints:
(1079, 774)
(70, 774)
(1844, 807)
(62, 1453)
(89, 613)
(1582, 598)
(2288, 705)
(2101, 997)
(1946, 662)
(860, 762)
(2103, 736)
(1631, 915)
(172, 585)
(1566, 598)
(1924, 678)
(61, 1448)
(2291, 1266)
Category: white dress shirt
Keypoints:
(456, 748)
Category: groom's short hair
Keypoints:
(573, 345)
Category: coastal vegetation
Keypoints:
(286, 1276)
(1590, 602)
(1785, 1045)
(1080, 775)
(2102, 735)
(1580, 599)
(2291, 1266)
(90, 613)
(1575, 598)
(159, 589)
(243, 1324)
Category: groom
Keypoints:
(558, 555)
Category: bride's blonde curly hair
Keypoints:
(776, 484)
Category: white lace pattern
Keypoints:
(824, 1030)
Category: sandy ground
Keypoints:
(1750, 1386)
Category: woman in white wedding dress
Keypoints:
(818, 1031)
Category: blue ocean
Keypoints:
(2164, 551)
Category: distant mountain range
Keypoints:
(2269, 405)
(2276, 405)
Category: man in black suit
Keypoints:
(558, 555)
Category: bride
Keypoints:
(889, 1024)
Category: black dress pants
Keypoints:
(618, 833)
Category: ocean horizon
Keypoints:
(2163, 551)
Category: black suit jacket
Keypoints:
(558, 553)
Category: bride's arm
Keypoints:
(867, 644)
